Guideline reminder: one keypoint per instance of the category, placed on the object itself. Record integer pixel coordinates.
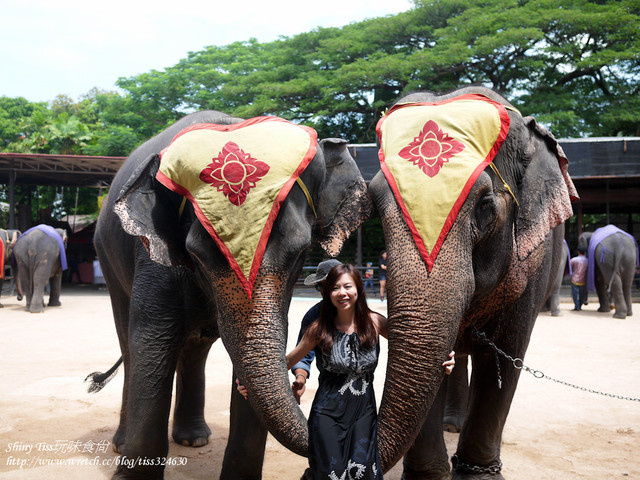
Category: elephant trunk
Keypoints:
(423, 325)
(254, 332)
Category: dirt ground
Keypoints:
(50, 427)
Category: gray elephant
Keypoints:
(7, 241)
(498, 185)
(178, 278)
(39, 259)
(553, 302)
(613, 256)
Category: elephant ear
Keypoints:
(344, 201)
(546, 192)
(151, 212)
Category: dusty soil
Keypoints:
(50, 427)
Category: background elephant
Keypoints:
(7, 239)
(494, 270)
(613, 256)
(174, 293)
(553, 302)
(40, 258)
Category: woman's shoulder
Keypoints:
(379, 321)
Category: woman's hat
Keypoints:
(321, 272)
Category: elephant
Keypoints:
(7, 241)
(553, 303)
(40, 258)
(613, 256)
(477, 283)
(175, 289)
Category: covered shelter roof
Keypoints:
(58, 170)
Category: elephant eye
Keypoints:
(486, 210)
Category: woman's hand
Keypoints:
(299, 386)
(449, 364)
(242, 390)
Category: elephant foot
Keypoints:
(557, 313)
(118, 441)
(126, 472)
(464, 471)
(452, 423)
(621, 316)
(408, 474)
(191, 434)
(54, 303)
(604, 309)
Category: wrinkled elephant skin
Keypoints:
(495, 269)
(173, 294)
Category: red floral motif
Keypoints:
(431, 149)
(234, 173)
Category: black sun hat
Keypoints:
(321, 272)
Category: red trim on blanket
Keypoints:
(247, 284)
(430, 257)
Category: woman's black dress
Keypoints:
(342, 423)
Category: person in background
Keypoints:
(579, 265)
(382, 276)
(368, 278)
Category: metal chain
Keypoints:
(462, 467)
(519, 365)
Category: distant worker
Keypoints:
(368, 278)
(579, 265)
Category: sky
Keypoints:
(68, 47)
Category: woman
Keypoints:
(342, 423)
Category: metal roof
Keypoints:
(58, 170)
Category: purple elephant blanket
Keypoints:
(53, 234)
(598, 236)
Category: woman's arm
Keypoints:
(305, 345)
(380, 322)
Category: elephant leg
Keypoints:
(626, 277)
(618, 297)
(155, 334)
(601, 290)
(455, 409)
(1, 287)
(56, 286)
(189, 425)
(38, 284)
(427, 458)
(489, 403)
(244, 455)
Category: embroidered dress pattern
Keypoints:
(234, 173)
(343, 420)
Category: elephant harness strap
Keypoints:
(432, 153)
(236, 178)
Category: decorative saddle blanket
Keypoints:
(432, 153)
(236, 177)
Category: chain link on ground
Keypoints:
(519, 365)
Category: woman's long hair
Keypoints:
(324, 328)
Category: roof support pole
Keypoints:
(12, 206)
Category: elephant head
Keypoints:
(492, 242)
(330, 201)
